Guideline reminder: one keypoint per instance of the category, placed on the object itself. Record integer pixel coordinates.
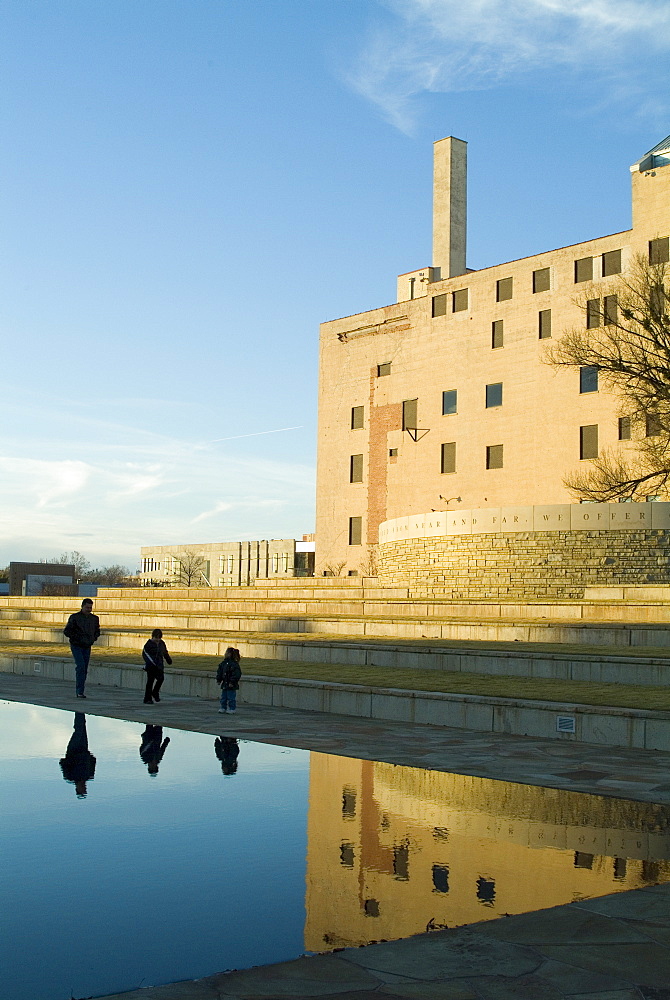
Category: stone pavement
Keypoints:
(613, 948)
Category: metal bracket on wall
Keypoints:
(416, 433)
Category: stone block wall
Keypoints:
(549, 564)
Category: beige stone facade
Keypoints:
(225, 564)
(445, 399)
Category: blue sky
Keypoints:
(188, 187)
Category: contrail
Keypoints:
(236, 437)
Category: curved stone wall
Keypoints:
(488, 555)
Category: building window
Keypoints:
(486, 891)
(384, 369)
(541, 280)
(588, 379)
(659, 251)
(448, 457)
(348, 803)
(504, 288)
(460, 301)
(275, 562)
(657, 301)
(584, 269)
(409, 414)
(231, 563)
(347, 855)
(449, 401)
(441, 878)
(592, 314)
(393, 452)
(496, 333)
(611, 263)
(355, 530)
(494, 395)
(610, 310)
(494, 456)
(544, 324)
(357, 413)
(624, 428)
(356, 469)
(401, 862)
(371, 907)
(588, 441)
(440, 305)
(652, 425)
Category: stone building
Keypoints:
(226, 564)
(443, 400)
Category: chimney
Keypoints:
(450, 158)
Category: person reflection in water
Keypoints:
(227, 750)
(153, 747)
(78, 764)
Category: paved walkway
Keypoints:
(613, 948)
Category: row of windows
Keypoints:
(588, 447)
(610, 264)
(588, 382)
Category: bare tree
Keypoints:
(334, 568)
(191, 569)
(626, 337)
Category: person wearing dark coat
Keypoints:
(153, 747)
(227, 751)
(78, 764)
(228, 678)
(154, 654)
(82, 629)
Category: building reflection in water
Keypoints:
(394, 851)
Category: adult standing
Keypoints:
(82, 629)
(154, 655)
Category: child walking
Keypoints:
(153, 654)
(228, 677)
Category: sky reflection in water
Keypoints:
(180, 857)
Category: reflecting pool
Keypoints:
(135, 855)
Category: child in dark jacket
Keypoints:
(153, 654)
(228, 677)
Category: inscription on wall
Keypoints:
(548, 517)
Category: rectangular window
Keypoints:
(440, 305)
(544, 324)
(592, 314)
(393, 452)
(494, 456)
(657, 301)
(624, 428)
(357, 417)
(356, 469)
(652, 425)
(449, 401)
(448, 457)
(659, 251)
(409, 414)
(460, 301)
(610, 310)
(541, 280)
(494, 394)
(588, 441)
(584, 269)
(384, 369)
(588, 379)
(497, 333)
(504, 289)
(611, 263)
(355, 530)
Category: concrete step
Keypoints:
(577, 663)
(580, 633)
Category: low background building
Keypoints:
(41, 579)
(226, 564)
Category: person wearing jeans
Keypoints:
(228, 677)
(82, 629)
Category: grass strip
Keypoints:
(527, 688)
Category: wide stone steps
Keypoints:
(578, 663)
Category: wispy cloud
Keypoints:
(443, 46)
